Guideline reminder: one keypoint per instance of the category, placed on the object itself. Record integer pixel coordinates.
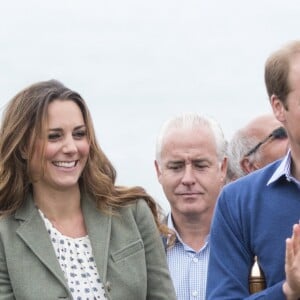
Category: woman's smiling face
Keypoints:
(66, 148)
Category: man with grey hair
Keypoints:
(262, 141)
(191, 167)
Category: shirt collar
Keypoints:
(172, 227)
(170, 224)
(284, 168)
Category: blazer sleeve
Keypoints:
(159, 282)
(6, 292)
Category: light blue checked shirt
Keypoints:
(188, 268)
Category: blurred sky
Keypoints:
(137, 63)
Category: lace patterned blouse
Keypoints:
(77, 263)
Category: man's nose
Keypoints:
(188, 175)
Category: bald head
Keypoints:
(246, 138)
(260, 127)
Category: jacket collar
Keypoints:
(34, 234)
(99, 230)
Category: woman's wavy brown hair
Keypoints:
(25, 120)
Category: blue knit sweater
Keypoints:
(251, 218)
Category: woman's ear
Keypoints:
(24, 152)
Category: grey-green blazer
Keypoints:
(127, 249)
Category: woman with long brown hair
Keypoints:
(66, 230)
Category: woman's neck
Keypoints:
(57, 204)
(63, 210)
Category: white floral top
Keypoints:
(77, 263)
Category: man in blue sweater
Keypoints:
(255, 215)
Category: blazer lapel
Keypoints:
(34, 234)
(99, 230)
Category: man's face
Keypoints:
(292, 114)
(271, 142)
(272, 150)
(189, 171)
(289, 113)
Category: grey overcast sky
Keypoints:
(137, 63)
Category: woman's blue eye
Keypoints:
(80, 133)
(53, 136)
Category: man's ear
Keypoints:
(224, 166)
(248, 166)
(278, 108)
(158, 170)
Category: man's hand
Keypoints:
(291, 287)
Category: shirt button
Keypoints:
(195, 259)
(194, 293)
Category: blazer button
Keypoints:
(108, 286)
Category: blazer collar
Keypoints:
(33, 232)
(99, 230)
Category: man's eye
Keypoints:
(176, 167)
(201, 166)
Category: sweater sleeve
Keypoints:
(230, 257)
(159, 283)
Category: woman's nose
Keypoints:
(69, 145)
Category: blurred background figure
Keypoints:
(262, 141)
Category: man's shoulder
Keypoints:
(258, 178)
(251, 191)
